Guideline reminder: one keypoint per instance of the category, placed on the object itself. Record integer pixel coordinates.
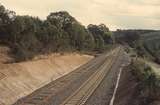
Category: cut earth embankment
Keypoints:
(20, 79)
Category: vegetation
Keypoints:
(148, 82)
(28, 36)
(143, 44)
(129, 37)
(151, 42)
(102, 35)
(60, 32)
(146, 43)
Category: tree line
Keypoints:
(144, 42)
(28, 36)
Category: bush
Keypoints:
(148, 81)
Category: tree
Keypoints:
(28, 36)
(102, 35)
(127, 36)
(78, 36)
(6, 18)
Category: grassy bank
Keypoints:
(148, 82)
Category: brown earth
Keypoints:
(20, 79)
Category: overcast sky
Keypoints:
(114, 13)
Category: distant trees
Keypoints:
(28, 36)
(101, 34)
(79, 38)
(146, 43)
(127, 36)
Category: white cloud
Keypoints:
(114, 13)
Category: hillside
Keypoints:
(139, 83)
(145, 43)
(34, 52)
(29, 36)
(135, 91)
(151, 42)
(20, 79)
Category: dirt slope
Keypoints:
(20, 79)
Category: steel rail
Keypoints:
(81, 95)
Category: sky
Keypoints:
(116, 14)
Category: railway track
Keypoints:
(95, 70)
(80, 96)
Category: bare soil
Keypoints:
(20, 79)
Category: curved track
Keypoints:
(85, 91)
(76, 87)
